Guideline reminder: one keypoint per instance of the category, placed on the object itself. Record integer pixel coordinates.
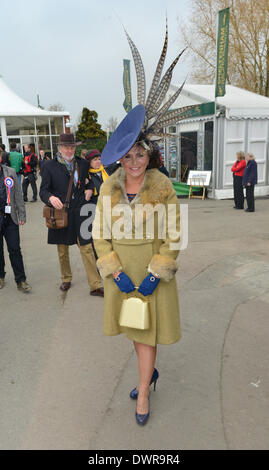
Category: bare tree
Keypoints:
(56, 107)
(76, 123)
(248, 65)
(112, 123)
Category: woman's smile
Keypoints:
(135, 162)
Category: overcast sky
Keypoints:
(72, 51)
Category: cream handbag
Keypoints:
(135, 313)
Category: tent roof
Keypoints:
(12, 105)
(238, 102)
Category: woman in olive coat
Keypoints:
(127, 259)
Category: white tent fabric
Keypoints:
(239, 103)
(12, 105)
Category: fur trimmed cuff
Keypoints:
(163, 266)
(108, 264)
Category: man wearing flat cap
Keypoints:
(56, 175)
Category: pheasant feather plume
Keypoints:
(156, 105)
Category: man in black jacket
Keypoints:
(29, 168)
(56, 175)
(12, 215)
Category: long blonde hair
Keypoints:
(241, 155)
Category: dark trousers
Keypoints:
(10, 231)
(238, 192)
(250, 197)
(29, 179)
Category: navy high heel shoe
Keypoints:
(141, 419)
(154, 378)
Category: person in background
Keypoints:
(97, 173)
(162, 168)
(15, 159)
(5, 155)
(110, 169)
(42, 160)
(238, 169)
(12, 214)
(83, 153)
(29, 168)
(56, 176)
(250, 178)
(159, 160)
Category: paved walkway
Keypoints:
(64, 385)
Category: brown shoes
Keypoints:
(2, 282)
(99, 292)
(65, 286)
(24, 287)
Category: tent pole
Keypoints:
(4, 133)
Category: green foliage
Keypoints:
(89, 127)
(89, 144)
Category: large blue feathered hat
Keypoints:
(124, 136)
(152, 115)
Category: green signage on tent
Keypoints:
(203, 109)
(222, 51)
(127, 104)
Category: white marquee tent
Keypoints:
(23, 123)
(210, 138)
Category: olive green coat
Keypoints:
(151, 252)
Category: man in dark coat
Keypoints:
(250, 178)
(42, 160)
(56, 174)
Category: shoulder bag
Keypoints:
(135, 313)
(58, 218)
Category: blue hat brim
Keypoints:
(124, 136)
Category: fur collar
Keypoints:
(154, 190)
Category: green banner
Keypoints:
(203, 109)
(222, 51)
(127, 104)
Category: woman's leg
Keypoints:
(235, 193)
(239, 192)
(146, 359)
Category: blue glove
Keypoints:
(124, 283)
(148, 285)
